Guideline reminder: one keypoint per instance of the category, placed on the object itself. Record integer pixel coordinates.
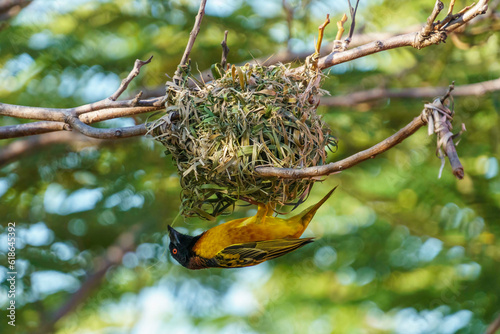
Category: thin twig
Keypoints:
(225, 51)
(479, 9)
(450, 8)
(429, 27)
(190, 44)
(321, 32)
(372, 152)
(353, 12)
(125, 82)
(340, 27)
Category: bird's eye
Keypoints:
(174, 251)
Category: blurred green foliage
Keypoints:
(397, 250)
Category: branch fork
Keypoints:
(437, 32)
(78, 118)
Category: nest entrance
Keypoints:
(251, 116)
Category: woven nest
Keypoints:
(251, 116)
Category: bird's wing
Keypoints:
(252, 253)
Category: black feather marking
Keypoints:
(252, 253)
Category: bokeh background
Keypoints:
(398, 250)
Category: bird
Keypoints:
(243, 242)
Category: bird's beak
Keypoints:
(173, 234)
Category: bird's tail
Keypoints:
(308, 214)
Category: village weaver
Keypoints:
(243, 242)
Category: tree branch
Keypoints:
(287, 56)
(28, 129)
(372, 152)
(61, 119)
(431, 34)
(372, 43)
(113, 256)
(436, 114)
(46, 114)
(89, 113)
(19, 148)
(352, 99)
(113, 133)
(10, 8)
(111, 113)
(494, 326)
(475, 89)
(34, 128)
(425, 37)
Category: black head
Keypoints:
(180, 246)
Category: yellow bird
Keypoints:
(243, 242)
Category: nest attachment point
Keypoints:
(217, 133)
